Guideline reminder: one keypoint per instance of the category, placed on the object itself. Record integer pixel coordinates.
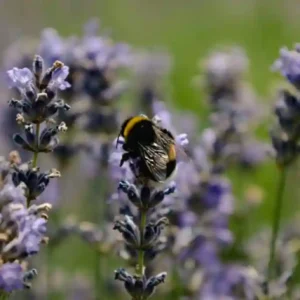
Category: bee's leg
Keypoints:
(124, 158)
(125, 147)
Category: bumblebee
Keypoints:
(151, 146)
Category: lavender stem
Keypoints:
(140, 265)
(4, 296)
(35, 155)
(276, 223)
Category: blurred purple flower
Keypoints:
(182, 139)
(214, 193)
(9, 193)
(186, 219)
(31, 231)
(226, 65)
(51, 46)
(230, 282)
(100, 49)
(11, 277)
(203, 251)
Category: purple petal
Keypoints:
(11, 277)
(58, 78)
(19, 78)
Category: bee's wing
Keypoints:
(165, 138)
(156, 159)
(182, 154)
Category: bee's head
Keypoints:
(128, 124)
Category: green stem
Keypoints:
(4, 296)
(276, 223)
(141, 253)
(48, 257)
(35, 155)
(99, 186)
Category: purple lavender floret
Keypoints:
(19, 78)
(58, 79)
(11, 277)
(288, 64)
(32, 235)
(31, 231)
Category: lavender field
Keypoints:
(149, 150)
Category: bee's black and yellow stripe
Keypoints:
(131, 123)
(171, 165)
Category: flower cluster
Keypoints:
(286, 132)
(23, 223)
(235, 111)
(22, 230)
(142, 233)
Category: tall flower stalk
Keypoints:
(23, 222)
(276, 223)
(285, 139)
(142, 236)
(141, 254)
(100, 58)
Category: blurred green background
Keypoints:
(188, 29)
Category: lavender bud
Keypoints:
(48, 139)
(129, 231)
(152, 232)
(159, 196)
(128, 280)
(34, 181)
(31, 93)
(29, 134)
(152, 283)
(131, 191)
(38, 67)
(139, 288)
(22, 142)
(29, 275)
